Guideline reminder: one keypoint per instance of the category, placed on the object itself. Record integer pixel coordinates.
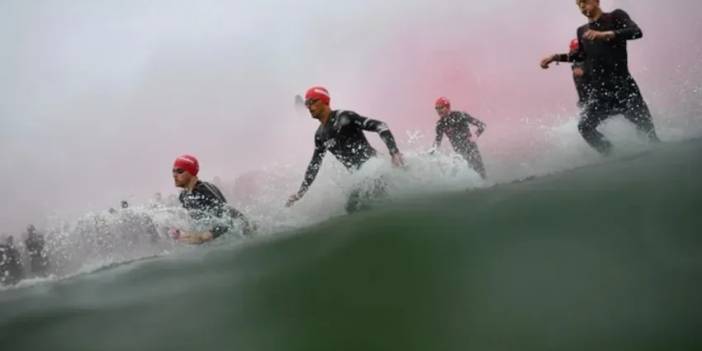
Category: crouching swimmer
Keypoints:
(342, 133)
(205, 203)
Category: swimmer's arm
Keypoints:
(195, 238)
(379, 127)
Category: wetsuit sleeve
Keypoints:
(215, 199)
(379, 127)
(476, 122)
(439, 135)
(313, 167)
(570, 57)
(564, 58)
(233, 214)
(574, 56)
(218, 203)
(626, 28)
(216, 192)
(211, 193)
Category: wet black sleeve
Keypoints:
(232, 214)
(476, 122)
(313, 167)
(626, 28)
(564, 58)
(236, 214)
(218, 203)
(439, 134)
(575, 56)
(379, 127)
(213, 200)
(212, 192)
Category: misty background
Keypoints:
(97, 98)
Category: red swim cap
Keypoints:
(442, 102)
(187, 163)
(574, 45)
(318, 93)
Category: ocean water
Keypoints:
(602, 254)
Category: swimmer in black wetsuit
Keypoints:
(38, 255)
(456, 125)
(203, 201)
(612, 89)
(10, 263)
(341, 133)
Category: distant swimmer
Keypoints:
(205, 203)
(10, 263)
(38, 256)
(612, 90)
(456, 126)
(341, 133)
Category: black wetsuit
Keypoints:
(343, 136)
(612, 89)
(205, 202)
(456, 125)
